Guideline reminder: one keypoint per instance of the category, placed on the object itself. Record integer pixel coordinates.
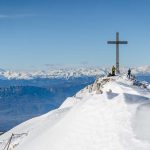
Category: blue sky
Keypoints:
(34, 33)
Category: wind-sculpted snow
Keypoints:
(141, 122)
(110, 114)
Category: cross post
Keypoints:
(117, 42)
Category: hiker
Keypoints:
(129, 73)
(113, 70)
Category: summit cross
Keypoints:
(117, 42)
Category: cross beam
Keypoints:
(117, 42)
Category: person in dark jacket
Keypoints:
(129, 73)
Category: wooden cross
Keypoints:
(117, 42)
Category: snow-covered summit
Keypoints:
(110, 114)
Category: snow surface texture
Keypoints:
(110, 114)
(67, 72)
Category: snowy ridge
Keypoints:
(67, 72)
(110, 114)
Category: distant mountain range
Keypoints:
(67, 72)
(52, 73)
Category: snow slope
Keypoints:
(110, 114)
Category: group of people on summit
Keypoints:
(114, 72)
